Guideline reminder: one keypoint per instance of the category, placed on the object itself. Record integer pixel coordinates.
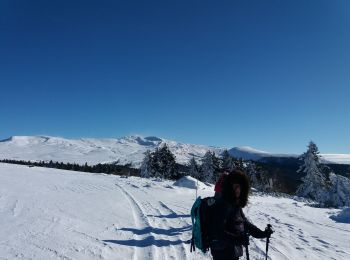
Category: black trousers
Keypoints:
(223, 255)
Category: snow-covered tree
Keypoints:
(239, 164)
(194, 170)
(339, 191)
(208, 168)
(258, 177)
(252, 173)
(320, 183)
(227, 161)
(314, 182)
(146, 166)
(217, 163)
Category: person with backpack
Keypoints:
(228, 228)
(222, 224)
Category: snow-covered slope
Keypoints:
(56, 214)
(124, 150)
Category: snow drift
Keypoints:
(191, 183)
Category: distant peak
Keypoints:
(145, 141)
(26, 139)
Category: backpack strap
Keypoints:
(194, 214)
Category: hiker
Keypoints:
(228, 228)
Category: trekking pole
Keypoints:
(247, 251)
(246, 247)
(267, 239)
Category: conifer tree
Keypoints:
(194, 170)
(227, 163)
(208, 168)
(146, 170)
(314, 182)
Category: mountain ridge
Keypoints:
(125, 150)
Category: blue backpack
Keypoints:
(200, 220)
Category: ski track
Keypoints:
(165, 210)
(158, 214)
(141, 221)
(164, 223)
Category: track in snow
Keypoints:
(159, 232)
(140, 243)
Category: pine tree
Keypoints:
(167, 162)
(145, 170)
(252, 174)
(239, 164)
(155, 164)
(258, 178)
(208, 168)
(194, 168)
(227, 161)
(314, 182)
(217, 163)
(162, 163)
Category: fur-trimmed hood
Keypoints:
(240, 178)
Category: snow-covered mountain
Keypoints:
(129, 149)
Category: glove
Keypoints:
(268, 230)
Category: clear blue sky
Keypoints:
(269, 74)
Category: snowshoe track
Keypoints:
(141, 222)
(166, 229)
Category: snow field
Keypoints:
(57, 214)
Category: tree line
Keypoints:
(108, 168)
(161, 163)
(312, 179)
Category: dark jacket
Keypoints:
(227, 228)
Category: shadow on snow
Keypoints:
(151, 240)
(148, 241)
(171, 215)
(158, 231)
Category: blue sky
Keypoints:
(269, 74)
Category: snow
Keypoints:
(191, 183)
(343, 216)
(129, 149)
(57, 214)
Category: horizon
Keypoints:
(272, 75)
(257, 149)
